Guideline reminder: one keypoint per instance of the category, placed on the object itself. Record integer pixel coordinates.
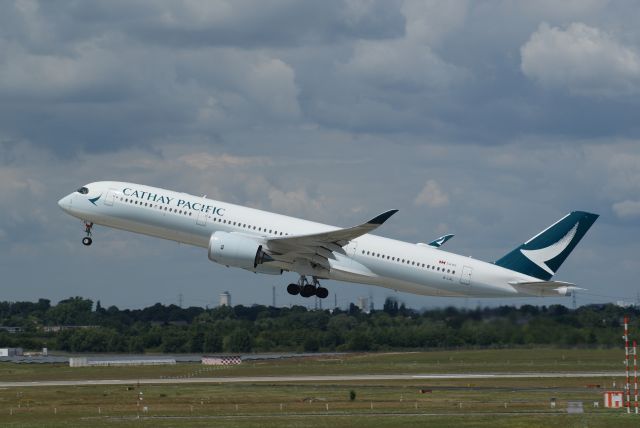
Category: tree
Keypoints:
(238, 341)
(212, 342)
(311, 344)
(72, 311)
(390, 306)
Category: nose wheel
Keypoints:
(87, 230)
(306, 289)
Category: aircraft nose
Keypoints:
(65, 202)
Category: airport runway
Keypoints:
(333, 378)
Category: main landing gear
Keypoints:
(306, 289)
(87, 230)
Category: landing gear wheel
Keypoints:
(87, 230)
(308, 290)
(322, 292)
(293, 289)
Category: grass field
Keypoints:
(460, 403)
(467, 361)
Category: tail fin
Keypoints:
(542, 255)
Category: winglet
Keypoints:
(441, 240)
(382, 217)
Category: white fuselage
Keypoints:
(368, 259)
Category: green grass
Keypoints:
(396, 403)
(465, 361)
(388, 403)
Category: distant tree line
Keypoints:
(77, 325)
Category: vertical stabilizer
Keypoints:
(542, 255)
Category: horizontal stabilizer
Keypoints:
(545, 288)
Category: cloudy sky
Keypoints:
(487, 119)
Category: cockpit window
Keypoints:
(83, 190)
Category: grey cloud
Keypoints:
(627, 209)
(266, 24)
(581, 59)
(432, 195)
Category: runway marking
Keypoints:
(327, 378)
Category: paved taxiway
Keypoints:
(336, 378)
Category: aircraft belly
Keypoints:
(418, 280)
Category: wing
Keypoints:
(319, 247)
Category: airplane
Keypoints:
(270, 243)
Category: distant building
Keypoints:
(10, 352)
(363, 304)
(59, 328)
(12, 330)
(86, 362)
(613, 399)
(225, 299)
(624, 304)
(226, 360)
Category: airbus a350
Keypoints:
(270, 243)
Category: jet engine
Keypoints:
(235, 250)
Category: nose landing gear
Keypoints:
(87, 230)
(306, 289)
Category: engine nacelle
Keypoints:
(230, 249)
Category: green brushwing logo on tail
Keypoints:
(542, 255)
